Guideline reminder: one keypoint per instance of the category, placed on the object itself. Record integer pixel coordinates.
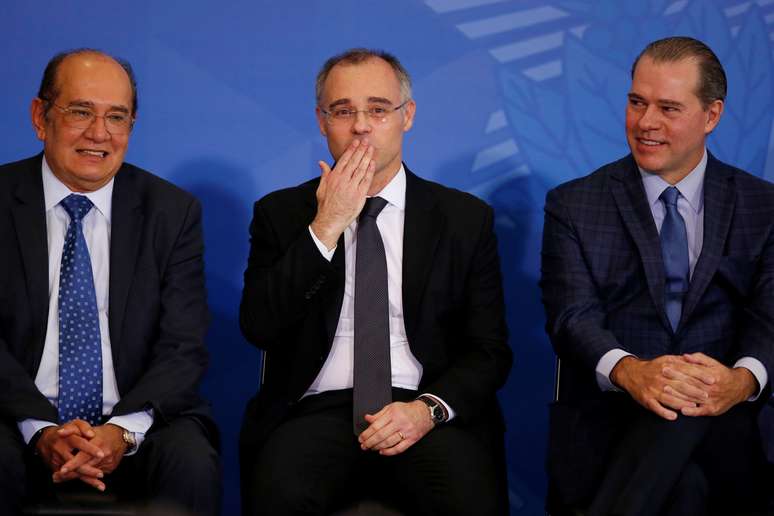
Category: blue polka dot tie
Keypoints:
(80, 355)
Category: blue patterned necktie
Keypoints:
(372, 373)
(674, 250)
(80, 351)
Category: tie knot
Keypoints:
(77, 206)
(670, 195)
(373, 206)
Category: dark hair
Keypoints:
(360, 55)
(712, 78)
(49, 89)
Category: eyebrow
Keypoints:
(91, 105)
(371, 100)
(660, 102)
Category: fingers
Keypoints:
(76, 427)
(79, 460)
(688, 394)
(79, 443)
(657, 408)
(368, 177)
(344, 159)
(93, 482)
(402, 446)
(684, 386)
(325, 169)
(700, 358)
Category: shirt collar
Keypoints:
(691, 187)
(394, 192)
(54, 191)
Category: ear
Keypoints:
(409, 110)
(714, 112)
(38, 115)
(321, 121)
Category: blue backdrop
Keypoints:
(514, 97)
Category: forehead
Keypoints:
(673, 79)
(371, 78)
(95, 78)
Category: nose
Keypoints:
(362, 123)
(97, 131)
(650, 119)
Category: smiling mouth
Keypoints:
(95, 153)
(650, 143)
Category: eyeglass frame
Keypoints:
(68, 110)
(387, 113)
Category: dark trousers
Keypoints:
(312, 464)
(176, 467)
(691, 466)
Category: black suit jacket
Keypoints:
(603, 288)
(157, 303)
(452, 301)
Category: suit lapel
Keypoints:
(29, 217)
(422, 229)
(719, 200)
(125, 230)
(632, 202)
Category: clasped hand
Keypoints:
(692, 384)
(78, 450)
(396, 427)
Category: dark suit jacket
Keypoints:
(603, 288)
(452, 301)
(157, 303)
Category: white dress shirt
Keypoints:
(96, 231)
(336, 372)
(690, 205)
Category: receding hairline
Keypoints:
(369, 59)
(358, 56)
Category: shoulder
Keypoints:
(289, 199)
(597, 182)
(14, 172)
(152, 190)
(457, 205)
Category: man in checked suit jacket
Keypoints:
(654, 418)
(440, 440)
(156, 438)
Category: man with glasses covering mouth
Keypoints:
(102, 307)
(377, 298)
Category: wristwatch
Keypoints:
(129, 439)
(437, 411)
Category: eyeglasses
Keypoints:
(116, 122)
(378, 114)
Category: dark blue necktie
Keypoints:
(372, 373)
(674, 249)
(80, 352)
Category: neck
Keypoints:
(381, 179)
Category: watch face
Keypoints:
(436, 413)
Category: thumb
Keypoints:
(324, 169)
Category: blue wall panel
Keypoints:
(514, 96)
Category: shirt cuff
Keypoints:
(137, 422)
(30, 427)
(605, 367)
(327, 254)
(758, 371)
(449, 410)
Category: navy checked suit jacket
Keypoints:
(603, 288)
